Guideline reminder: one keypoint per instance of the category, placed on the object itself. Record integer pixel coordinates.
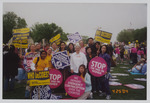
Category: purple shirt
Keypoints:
(107, 58)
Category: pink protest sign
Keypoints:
(75, 86)
(56, 78)
(98, 67)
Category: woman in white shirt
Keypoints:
(77, 59)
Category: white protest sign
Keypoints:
(74, 38)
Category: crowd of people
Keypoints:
(80, 54)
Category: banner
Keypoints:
(38, 78)
(103, 36)
(60, 60)
(74, 38)
(28, 59)
(41, 92)
(20, 37)
(98, 67)
(75, 86)
(55, 39)
(56, 78)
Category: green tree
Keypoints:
(46, 31)
(85, 38)
(140, 34)
(11, 21)
(125, 36)
(133, 35)
(64, 36)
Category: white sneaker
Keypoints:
(108, 97)
(91, 95)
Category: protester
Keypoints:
(104, 80)
(11, 62)
(21, 70)
(137, 67)
(29, 58)
(127, 52)
(91, 44)
(110, 48)
(40, 63)
(54, 48)
(38, 48)
(87, 79)
(94, 80)
(117, 52)
(111, 53)
(77, 59)
(32, 49)
(122, 53)
(81, 43)
(144, 68)
(71, 49)
(66, 71)
(49, 57)
(97, 46)
(133, 55)
(140, 54)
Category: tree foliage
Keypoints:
(11, 21)
(85, 38)
(46, 31)
(133, 35)
(140, 34)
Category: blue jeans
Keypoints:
(9, 85)
(21, 74)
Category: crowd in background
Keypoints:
(80, 55)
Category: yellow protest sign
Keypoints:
(23, 30)
(55, 39)
(103, 36)
(38, 78)
(20, 37)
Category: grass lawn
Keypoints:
(132, 94)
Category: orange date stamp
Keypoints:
(120, 91)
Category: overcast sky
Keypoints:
(84, 18)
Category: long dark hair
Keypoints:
(107, 51)
(82, 65)
(60, 45)
(68, 49)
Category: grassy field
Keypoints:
(132, 94)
